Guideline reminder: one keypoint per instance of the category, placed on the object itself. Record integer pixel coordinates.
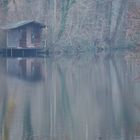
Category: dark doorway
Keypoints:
(22, 42)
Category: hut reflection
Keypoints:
(29, 69)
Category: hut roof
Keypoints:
(21, 24)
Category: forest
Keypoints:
(89, 96)
(82, 24)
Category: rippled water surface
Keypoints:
(84, 97)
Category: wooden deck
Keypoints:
(22, 52)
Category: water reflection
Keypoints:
(89, 97)
(30, 68)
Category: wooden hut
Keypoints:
(24, 34)
(24, 39)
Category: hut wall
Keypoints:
(24, 37)
(13, 38)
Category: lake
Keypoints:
(87, 96)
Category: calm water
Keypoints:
(85, 97)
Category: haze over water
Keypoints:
(84, 97)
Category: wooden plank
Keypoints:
(21, 52)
